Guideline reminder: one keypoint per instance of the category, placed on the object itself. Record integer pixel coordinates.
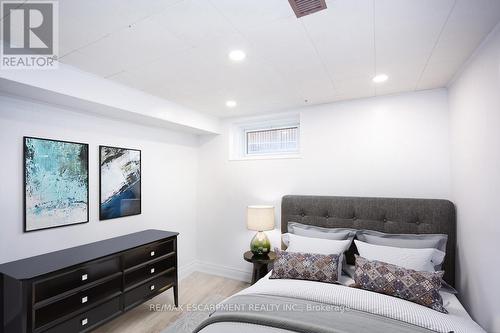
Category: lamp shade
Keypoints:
(260, 218)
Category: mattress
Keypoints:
(382, 306)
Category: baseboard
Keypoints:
(187, 269)
(224, 271)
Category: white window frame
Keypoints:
(240, 128)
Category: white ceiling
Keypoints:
(177, 49)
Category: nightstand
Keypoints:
(260, 264)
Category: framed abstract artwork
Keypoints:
(120, 182)
(56, 183)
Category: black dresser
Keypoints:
(78, 289)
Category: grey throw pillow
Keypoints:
(414, 286)
(409, 241)
(306, 266)
(320, 232)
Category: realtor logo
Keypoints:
(29, 34)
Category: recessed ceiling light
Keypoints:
(237, 55)
(231, 104)
(380, 78)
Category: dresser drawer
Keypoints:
(58, 284)
(149, 289)
(77, 302)
(136, 276)
(90, 319)
(147, 252)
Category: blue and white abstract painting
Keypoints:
(120, 193)
(56, 183)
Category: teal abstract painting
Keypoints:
(56, 185)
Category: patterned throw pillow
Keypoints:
(414, 286)
(305, 266)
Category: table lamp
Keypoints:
(260, 219)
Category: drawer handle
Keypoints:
(152, 270)
(84, 299)
(152, 253)
(152, 287)
(85, 277)
(85, 321)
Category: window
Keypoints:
(266, 137)
(269, 141)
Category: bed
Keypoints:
(284, 305)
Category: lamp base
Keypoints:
(260, 244)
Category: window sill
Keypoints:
(266, 157)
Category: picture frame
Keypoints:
(55, 183)
(120, 182)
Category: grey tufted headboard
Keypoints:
(390, 215)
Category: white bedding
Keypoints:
(456, 320)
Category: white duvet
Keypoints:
(457, 320)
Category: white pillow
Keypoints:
(303, 244)
(416, 259)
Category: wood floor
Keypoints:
(194, 289)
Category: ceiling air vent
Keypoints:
(306, 7)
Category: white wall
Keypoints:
(475, 137)
(169, 172)
(395, 146)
